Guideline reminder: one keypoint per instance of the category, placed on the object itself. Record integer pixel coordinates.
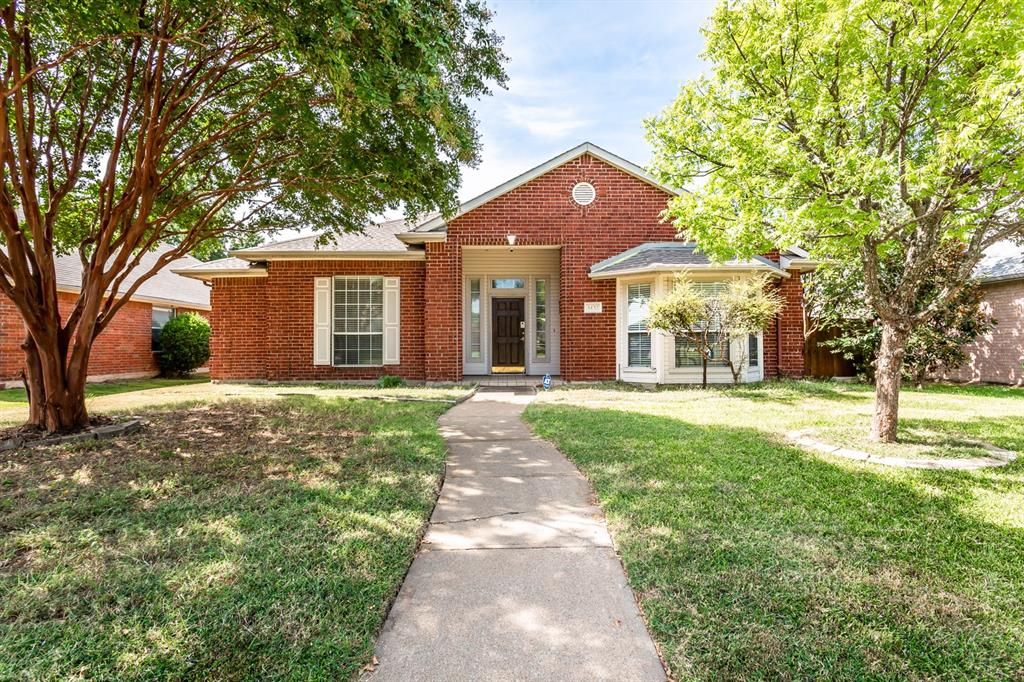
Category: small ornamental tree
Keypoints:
(747, 306)
(184, 345)
(130, 124)
(713, 318)
(836, 300)
(858, 130)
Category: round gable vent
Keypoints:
(583, 193)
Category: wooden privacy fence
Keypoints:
(820, 361)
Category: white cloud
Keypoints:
(544, 121)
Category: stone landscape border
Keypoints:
(1000, 457)
(93, 433)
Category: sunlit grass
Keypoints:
(755, 559)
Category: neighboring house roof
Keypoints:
(439, 224)
(1002, 263)
(165, 287)
(672, 256)
(378, 240)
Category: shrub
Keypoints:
(390, 381)
(184, 345)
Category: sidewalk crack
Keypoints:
(478, 518)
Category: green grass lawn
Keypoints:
(255, 539)
(755, 559)
(17, 395)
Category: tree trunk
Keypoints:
(704, 371)
(887, 381)
(56, 388)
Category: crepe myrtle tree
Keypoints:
(712, 317)
(858, 130)
(129, 125)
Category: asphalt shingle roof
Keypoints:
(378, 238)
(165, 285)
(1003, 265)
(668, 254)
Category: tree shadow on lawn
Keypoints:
(249, 539)
(754, 559)
(795, 391)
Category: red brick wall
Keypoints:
(263, 328)
(238, 342)
(542, 212)
(12, 333)
(996, 357)
(123, 348)
(784, 354)
(625, 214)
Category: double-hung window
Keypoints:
(753, 350)
(358, 321)
(638, 300)
(687, 353)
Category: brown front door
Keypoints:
(509, 335)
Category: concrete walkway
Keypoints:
(516, 578)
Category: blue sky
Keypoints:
(582, 70)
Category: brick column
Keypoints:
(442, 312)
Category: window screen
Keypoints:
(753, 348)
(688, 356)
(358, 320)
(638, 299)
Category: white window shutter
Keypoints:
(322, 321)
(392, 320)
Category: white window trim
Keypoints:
(332, 320)
(652, 367)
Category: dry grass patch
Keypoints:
(240, 539)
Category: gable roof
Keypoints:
(164, 287)
(438, 223)
(377, 240)
(673, 256)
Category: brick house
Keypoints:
(125, 349)
(548, 273)
(998, 356)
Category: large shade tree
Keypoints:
(859, 130)
(127, 125)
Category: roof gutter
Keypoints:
(799, 264)
(207, 275)
(421, 237)
(665, 267)
(329, 255)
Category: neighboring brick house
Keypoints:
(125, 349)
(548, 273)
(997, 357)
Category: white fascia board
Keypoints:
(665, 267)
(799, 264)
(207, 275)
(586, 148)
(421, 237)
(329, 255)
